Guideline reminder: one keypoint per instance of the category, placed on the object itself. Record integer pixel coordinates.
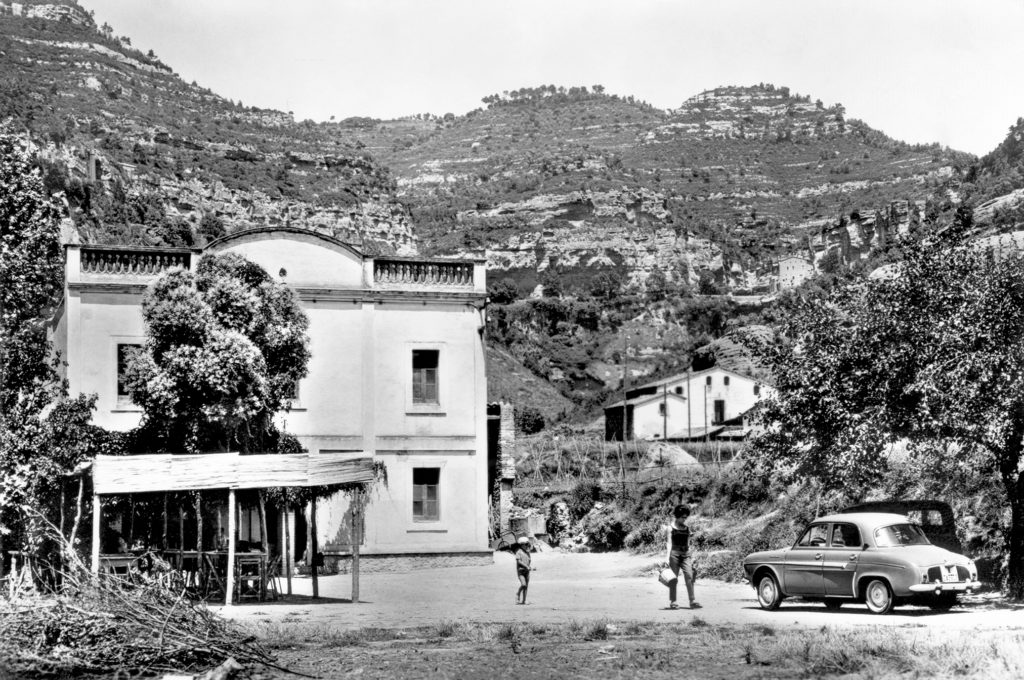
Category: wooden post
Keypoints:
(78, 513)
(63, 502)
(357, 538)
(288, 549)
(163, 537)
(199, 522)
(97, 512)
(200, 569)
(131, 521)
(181, 534)
(230, 589)
(265, 546)
(313, 547)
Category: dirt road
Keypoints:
(582, 587)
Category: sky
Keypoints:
(922, 71)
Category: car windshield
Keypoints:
(900, 534)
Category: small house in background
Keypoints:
(706, 404)
(794, 270)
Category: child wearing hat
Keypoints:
(523, 568)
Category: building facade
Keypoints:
(396, 371)
(684, 406)
(794, 270)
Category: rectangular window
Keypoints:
(757, 390)
(725, 380)
(707, 380)
(661, 409)
(424, 376)
(123, 352)
(425, 505)
(719, 411)
(292, 391)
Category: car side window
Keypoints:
(845, 536)
(815, 536)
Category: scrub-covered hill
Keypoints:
(144, 157)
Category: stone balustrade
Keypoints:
(439, 273)
(132, 261)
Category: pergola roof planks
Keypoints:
(113, 475)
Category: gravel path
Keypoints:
(570, 586)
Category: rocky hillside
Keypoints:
(652, 233)
(144, 157)
(577, 179)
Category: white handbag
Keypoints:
(666, 577)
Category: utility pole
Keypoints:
(706, 412)
(689, 403)
(664, 412)
(625, 385)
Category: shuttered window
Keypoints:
(424, 376)
(425, 487)
(124, 351)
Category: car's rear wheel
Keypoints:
(878, 597)
(769, 596)
(942, 602)
(833, 603)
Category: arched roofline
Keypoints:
(220, 242)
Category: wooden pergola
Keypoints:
(119, 475)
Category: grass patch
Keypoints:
(597, 631)
(447, 628)
(507, 632)
(653, 647)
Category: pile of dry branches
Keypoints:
(97, 626)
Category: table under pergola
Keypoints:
(149, 473)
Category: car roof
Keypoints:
(866, 518)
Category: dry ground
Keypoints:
(603, 615)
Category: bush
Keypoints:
(649, 535)
(582, 497)
(606, 528)
(503, 292)
(529, 420)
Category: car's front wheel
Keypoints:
(942, 602)
(768, 594)
(878, 597)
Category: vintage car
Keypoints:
(934, 516)
(880, 559)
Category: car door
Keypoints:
(802, 570)
(839, 564)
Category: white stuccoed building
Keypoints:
(686, 406)
(397, 372)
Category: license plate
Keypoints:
(949, 575)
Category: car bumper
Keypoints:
(961, 587)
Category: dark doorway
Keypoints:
(301, 536)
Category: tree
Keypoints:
(225, 347)
(211, 226)
(504, 292)
(529, 420)
(657, 285)
(706, 284)
(551, 283)
(42, 433)
(933, 356)
(606, 285)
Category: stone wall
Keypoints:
(506, 464)
(371, 564)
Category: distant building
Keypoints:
(708, 403)
(794, 270)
